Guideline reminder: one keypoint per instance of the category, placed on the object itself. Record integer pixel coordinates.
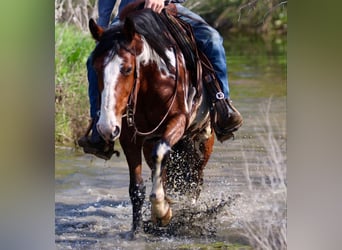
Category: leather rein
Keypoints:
(132, 101)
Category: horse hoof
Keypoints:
(164, 221)
(167, 218)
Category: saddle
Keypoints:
(200, 68)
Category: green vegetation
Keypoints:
(244, 16)
(72, 48)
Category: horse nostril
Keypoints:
(115, 133)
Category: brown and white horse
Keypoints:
(149, 103)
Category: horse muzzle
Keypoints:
(108, 133)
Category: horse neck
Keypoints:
(152, 70)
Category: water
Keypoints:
(243, 201)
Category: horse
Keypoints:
(150, 103)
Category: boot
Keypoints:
(225, 118)
(94, 144)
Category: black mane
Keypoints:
(146, 23)
(150, 25)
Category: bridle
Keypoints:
(132, 100)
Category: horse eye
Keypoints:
(126, 70)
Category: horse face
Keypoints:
(115, 63)
(116, 79)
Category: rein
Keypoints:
(132, 102)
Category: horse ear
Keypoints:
(95, 30)
(129, 29)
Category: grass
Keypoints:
(72, 48)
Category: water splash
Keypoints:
(193, 220)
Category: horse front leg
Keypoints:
(161, 213)
(137, 192)
(160, 209)
(137, 188)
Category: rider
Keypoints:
(208, 40)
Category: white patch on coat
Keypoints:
(150, 55)
(157, 185)
(108, 119)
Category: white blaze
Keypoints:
(108, 120)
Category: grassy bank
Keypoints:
(72, 48)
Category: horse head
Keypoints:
(114, 60)
(121, 52)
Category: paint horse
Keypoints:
(151, 104)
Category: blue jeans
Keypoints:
(210, 42)
(93, 91)
(105, 9)
(207, 38)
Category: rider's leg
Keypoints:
(93, 94)
(211, 43)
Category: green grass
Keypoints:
(72, 48)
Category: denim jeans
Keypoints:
(210, 42)
(207, 38)
(105, 9)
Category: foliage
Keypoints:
(72, 48)
(251, 16)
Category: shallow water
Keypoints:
(243, 196)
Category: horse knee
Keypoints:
(161, 151)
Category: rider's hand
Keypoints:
(155, 5)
